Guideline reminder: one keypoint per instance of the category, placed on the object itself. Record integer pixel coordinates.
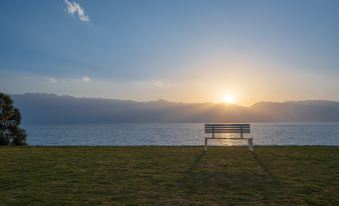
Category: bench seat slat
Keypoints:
(225, 127)
(228, 131)
(228, 125)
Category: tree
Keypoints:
(10, 119)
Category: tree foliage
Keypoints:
(10, 119)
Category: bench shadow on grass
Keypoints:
(195, 163)
(189, 180)
(267, 172)
(189, 171)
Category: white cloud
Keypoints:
(85, 79)
(75, 8)
(159, 83)
(51, 80)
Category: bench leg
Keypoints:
(250, 144)
(205, 144)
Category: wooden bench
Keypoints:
(229, 128)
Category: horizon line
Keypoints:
(178, 102)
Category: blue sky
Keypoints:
(189, 51)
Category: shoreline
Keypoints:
(161, 146)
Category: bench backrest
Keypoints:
(227, 128)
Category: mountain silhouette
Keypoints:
(37, 108)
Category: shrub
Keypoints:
(10, 119)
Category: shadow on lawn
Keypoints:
(194, 164)
(189, 180)
(264, 168)
(193, 180)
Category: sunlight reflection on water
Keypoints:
(179, 134)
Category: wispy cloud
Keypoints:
(85, 79)
(51, 80)
(63, 81)
(75, 8)
(159, 83)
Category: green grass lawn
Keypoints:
(169, 176)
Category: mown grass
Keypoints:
(169, 176)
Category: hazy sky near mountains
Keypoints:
(179, 50)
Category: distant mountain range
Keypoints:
(39, 108)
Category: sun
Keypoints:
(229, 99)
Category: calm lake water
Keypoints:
(179, 134)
